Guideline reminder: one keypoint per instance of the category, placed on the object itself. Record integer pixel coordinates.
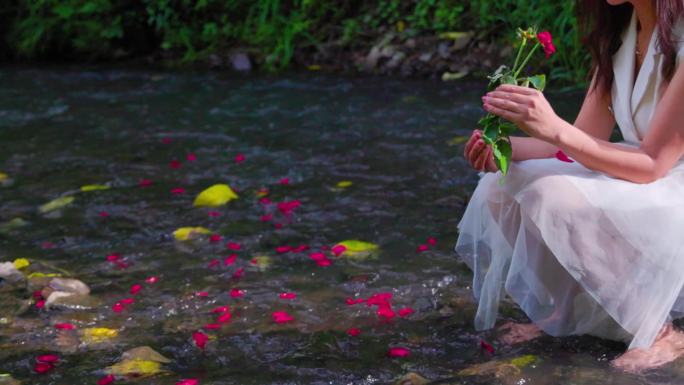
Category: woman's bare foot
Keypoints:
(518, 332)
(668, 346)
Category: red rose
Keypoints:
(545, 39)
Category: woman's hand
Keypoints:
(527, 108)
(479, 154)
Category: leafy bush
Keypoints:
(273, 30)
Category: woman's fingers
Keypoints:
(481, 160)
(471, 142)
(491, 164)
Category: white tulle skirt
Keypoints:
(579, 251)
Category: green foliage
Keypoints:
(272, 30)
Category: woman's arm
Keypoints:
(594, 118)
(662, 147)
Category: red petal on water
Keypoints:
(338, 250)
(188, 381)
(213, 238)
(127, 301)
(324, 262)
(278, 225)
(281, 317)
(284, 181)
(398, 352)
(560, 155)
(432, 241)
(166, 140)
(422, 248)
(266, 218)
(152, 279)
(42, 367)
(104, 214)
(239, 273)
(106, 380)
(201, 294)
(47, 245)
(174, 164)
(379, 299)
(233, 246)
(212, 326)
(213, 263)
(239, 158)
(223, 318)
(121, 264)
(287, 295)
(200, 339)
(38, 295)
(113, 257)
(236, 293)
(118, 307)
(264, 201)
(385, 311)
(214, 214)
(300, 248)
(286, 207)
(135, 289)
(324, 247)
(145, 183)
(191, 157)
(352, 301)
(484, 345)
(317, 256)
(405, 312)
(283, 249)
(229, 260)
(48, 358)
(178, 190)
(220, 309)
(65, 326)
(254, 261)
(40, 304)
(354, 332)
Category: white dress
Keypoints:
(579, 251)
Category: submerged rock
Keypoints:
(7, 379)
(412, 379)
(69, 285)
(144, 353)
(240, 62)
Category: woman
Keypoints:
(594, 246)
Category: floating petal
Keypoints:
(214, 196)
(21, 263)
(56, 204)
(94, 187)
(186, 233)
(398, 352)
(97, 335)
(344, 184)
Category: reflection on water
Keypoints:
(392, 139)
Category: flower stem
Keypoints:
(522, 65)
(520, 50)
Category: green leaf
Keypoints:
(507, 128)
(503, 152)
(508, 79)
(64, 11)
(538, 81)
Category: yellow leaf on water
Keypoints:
(139, 368)
(94, 187)
(56, 204)
(185, 233)
(358, 249)
(262, 262)
(214, 196)
(97, 335)
(457, 140)
(314, 67)
(3, 176)
(38, 274)
(524, 361)
(344, 184)
(21, 263)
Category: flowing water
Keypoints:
(396, 141)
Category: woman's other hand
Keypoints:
(479, 154)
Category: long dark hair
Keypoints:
(601, 26)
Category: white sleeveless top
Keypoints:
(634, 106)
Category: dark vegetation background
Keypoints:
(408, 35)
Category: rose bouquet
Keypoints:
(495, 130)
